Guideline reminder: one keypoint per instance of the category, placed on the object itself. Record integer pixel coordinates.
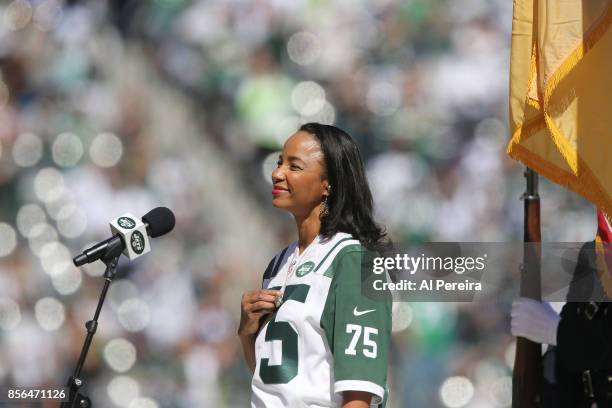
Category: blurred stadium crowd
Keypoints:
(118, 106)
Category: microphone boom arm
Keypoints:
(110, 258)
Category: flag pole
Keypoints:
(527, 373)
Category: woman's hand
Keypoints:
(254, 305)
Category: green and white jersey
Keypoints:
(326, 337)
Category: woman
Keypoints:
(309, 336)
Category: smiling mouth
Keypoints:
(278, 190)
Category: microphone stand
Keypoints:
(76, 399)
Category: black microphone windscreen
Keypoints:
(161, 221)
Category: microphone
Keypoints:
(130, 235)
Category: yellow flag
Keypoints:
(561, 93)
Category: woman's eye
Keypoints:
(279, 162)
(294, 166)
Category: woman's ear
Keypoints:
(328, 189)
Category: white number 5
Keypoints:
(369, 345)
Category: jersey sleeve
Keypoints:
(358, 330)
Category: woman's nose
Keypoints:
(277, 175)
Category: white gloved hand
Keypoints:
(536, 321)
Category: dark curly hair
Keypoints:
(350, 201)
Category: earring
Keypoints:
(324, 209)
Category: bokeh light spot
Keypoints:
(120, 354)
(456, 392)
(326, 115)
(50, 313)
(52, 253)
(308, 98)
(122, 390)
(49, 184)
(122, 290)
(106, 150)
(304, 48)
(8, 239)
(134, 315)
(47, 15)
(67, 149)
(28, 217)
(66, 278)
(18, 14)
(71, 221)
(27, 150)
(383, 99)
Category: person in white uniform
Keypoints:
(310, 335)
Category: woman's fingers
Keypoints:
(255, 305)
(272, 292)
(256, 316)
(268, 306)
(260, 295)
(264, 298)
(261, 305)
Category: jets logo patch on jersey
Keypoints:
(304, 269)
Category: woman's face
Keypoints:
(299, 181)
